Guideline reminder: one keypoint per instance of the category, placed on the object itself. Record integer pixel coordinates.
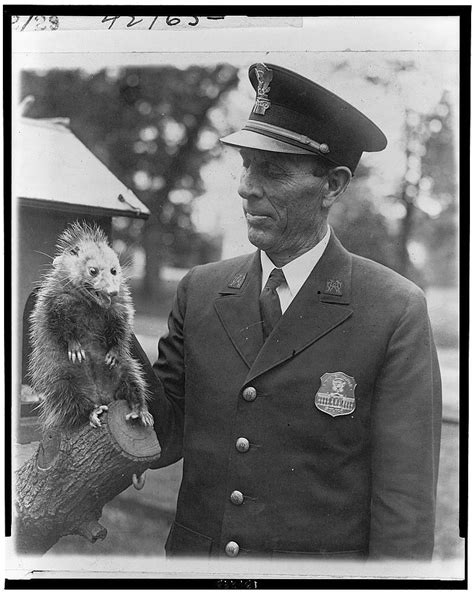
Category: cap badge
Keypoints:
(336, 395)
(264, 78)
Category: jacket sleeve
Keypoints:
(166, 380)
(405, 434)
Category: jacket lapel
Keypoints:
(238, 309)
(315, 311)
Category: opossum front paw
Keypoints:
(146, 418)
(141, 414)
(75, 351)
(94, 416)
(111, 358)
(138, 481)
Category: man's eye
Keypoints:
(271, 170)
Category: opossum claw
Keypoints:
(144, 415)
(132, 415)
(111, 358)
(146, 418)
(75, 352)
(94, 416)
(138, 482)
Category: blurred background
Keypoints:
(157, 128)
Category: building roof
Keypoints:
(54, 169)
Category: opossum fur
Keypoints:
(81, 329)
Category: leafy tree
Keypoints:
(424, 202)
(437, 195)
(359, 224)
(155, 128)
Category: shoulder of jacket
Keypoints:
(221, 268)
(217, 272)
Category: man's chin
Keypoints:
(259, 238)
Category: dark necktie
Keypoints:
(270, 302)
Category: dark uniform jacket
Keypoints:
(265, 468)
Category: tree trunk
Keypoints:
(404, 237)
(154, 257)
(62, 489)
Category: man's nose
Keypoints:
(249, 185)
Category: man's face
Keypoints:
(281, 201)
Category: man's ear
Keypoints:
(337, 181)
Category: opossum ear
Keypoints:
(75, 251)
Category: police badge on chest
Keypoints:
(336, 395)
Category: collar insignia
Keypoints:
(333, 286)
(237, 281)
(264, 78)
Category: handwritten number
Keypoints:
(133, 22)
(172, 21)
(107, 19)
(27, 22)
(41, 22)
(53, 23)
(40, 26)
(152, 23)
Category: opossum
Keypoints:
(81, 328)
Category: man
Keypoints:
(301, 383)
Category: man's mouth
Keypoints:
(255, 218)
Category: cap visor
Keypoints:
(254, 140)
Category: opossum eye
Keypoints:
(113, 271)
(93, 271)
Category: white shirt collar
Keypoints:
(296, 271)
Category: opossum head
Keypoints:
(86, 262)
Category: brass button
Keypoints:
(232, 549)
(249, 393)
(237, 497)
(242, 444)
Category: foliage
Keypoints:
(157, 127)
(438, 183)
(361, 228)
(427, 192)
(152, 127)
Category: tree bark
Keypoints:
(62, 489)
